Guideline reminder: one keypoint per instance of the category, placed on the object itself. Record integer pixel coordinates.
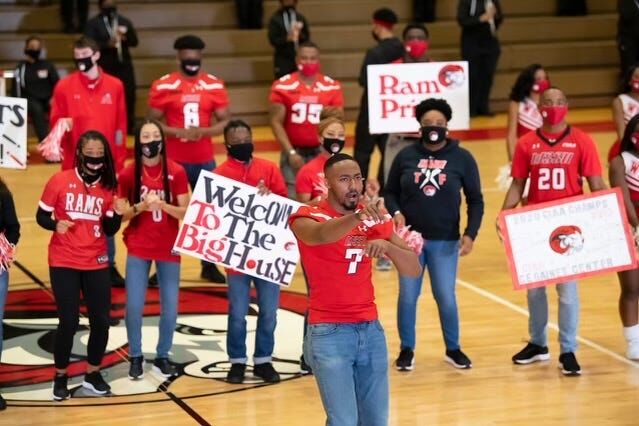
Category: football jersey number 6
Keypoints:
(356, 256)
(302, 112)
(191, 112)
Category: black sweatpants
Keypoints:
(95, 287)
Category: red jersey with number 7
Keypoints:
(339, 275)
(555, 164)
(150, 235)
(304, 104)
(188, 102)
(84, 245)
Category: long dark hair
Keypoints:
(135, 197)
(626, 143)
(107, 173)
(624, 86)
(524, 83)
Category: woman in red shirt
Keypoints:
(157, 189)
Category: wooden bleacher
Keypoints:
(579, 52)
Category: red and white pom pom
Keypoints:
(51, 146)
(413, 238)
(7, 252)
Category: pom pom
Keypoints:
(503, 178)
(51, 146)
(7, 253)
(413, 238)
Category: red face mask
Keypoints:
(553, 114)
(416, 48)
(634, 138)
(634, 85)
(540, 86)
(309, 69)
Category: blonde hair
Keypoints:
(328, 116)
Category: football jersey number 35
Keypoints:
(301, 112)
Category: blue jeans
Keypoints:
(568, 316)
(268, 300)
(350, 364)
(440, 258)
(137, 277)
(4, 287)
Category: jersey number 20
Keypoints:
(554, 179)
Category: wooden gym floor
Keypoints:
(493, 326)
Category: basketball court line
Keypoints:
(552, 325)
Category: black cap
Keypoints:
(188, 42)
(385, 15)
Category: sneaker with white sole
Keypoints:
(60, 390)
(569, 365)
(136, 369)
(406, 360)
(164, 368)
(531, 353)
(632, 352)
(383, 264)
(95, 383)
(458, 359)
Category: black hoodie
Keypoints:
(425, 186)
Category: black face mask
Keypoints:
(32, 53)
(191, 67)
(151, 149)
(242, 152)
(91, 168)
(433, 135)
(109, 11)
(84, 64)
(332, 145)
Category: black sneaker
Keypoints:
(569, 365)
(458, 359)
(95, 383)
(164, 368)
(266, 372)
(60, 391)
(212, 274)
(531, 353)
(304, 367)
(116, 279)
(3, 403)
(236, 373)
(136, 369)
(153, 280)
(406, 360)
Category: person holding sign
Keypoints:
(265, 175)
(9, 236)
(624, 173)
(556, 158)
(423, 191)
(345, 343)
(193, 106)
(158, 191)
(85, 211)
(296, 102)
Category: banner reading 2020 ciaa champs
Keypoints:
(395, 89)
(229, 223)
(559, 241)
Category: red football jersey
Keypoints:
(304, 104)
(556, 169)
(93, 105)
(150, 235)
(188, 102)
(339, 275)
(84, 245)
(310, 178)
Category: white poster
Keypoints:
(229, 223)
(555, 242)
(395, 89)
(13, 133)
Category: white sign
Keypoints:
(13, 133)
(395, 89)
(228, 222)
(559, 241)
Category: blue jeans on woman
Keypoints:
(4, 288)
(440, 258)
(568, 316)
(268, 301)
(350, 364)
(137, 277)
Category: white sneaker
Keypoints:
(633, 350)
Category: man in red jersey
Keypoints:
(296, 101)
(556, 158)
(194, 107)
(265, 175)
(345, 344)
(92, 100)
